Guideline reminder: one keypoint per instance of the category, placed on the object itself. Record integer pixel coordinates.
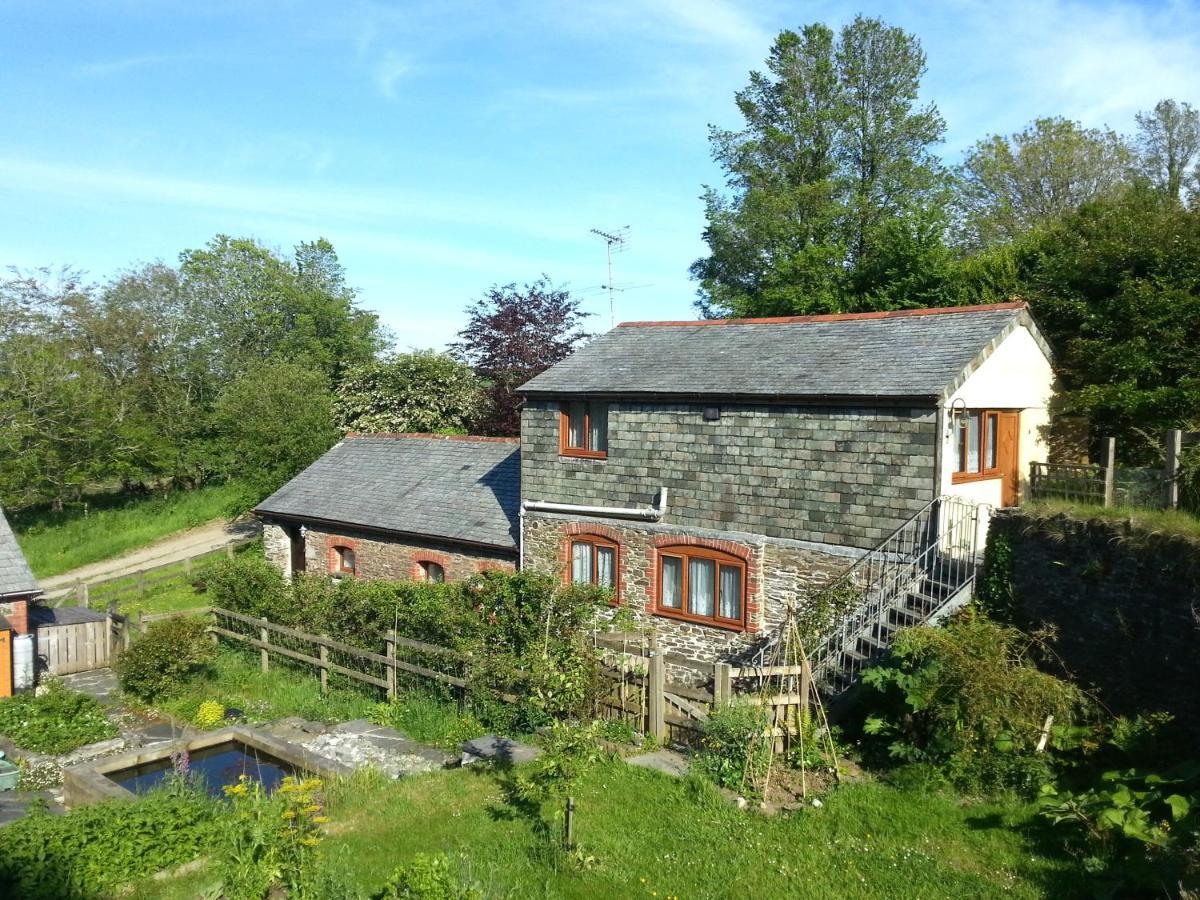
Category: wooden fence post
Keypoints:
(1174, 451)
(229, 551)
(657, 702)
(141, 627)
(806, 688)
(187, 566)
(109, 643)
(80, 593)
(390, 653)
(264, 654)
(1110, 471)
(324, 654)
(722, 683)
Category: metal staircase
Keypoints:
(921, 573)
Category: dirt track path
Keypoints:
(175, 548)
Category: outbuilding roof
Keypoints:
(15, 574)
(904, 354)
(461, 489)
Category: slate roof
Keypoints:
(910, 354)
(62, 615)
(450, 488)
(15, 574)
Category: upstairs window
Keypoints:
(344, 560)
(703, 586)
(434, 573)
(583, 429)
(976, 434)
(594, 561)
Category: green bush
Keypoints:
(427, 877)
(967, 699)
(252, 586)
(55, 720)
(162, 659)
(94, 849)
(735, 750)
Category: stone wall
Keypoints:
(778, 573)
(376, 556)
(836, 475)
(1123, 605)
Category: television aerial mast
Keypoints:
(616, 238)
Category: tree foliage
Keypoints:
(830, 178)
(1168, 142)
(1012, 184)
(423, 391)
(120, 382)
(513, 334)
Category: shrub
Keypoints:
(735, 750)
(252, 586)
(170, 652)
(54, 720)
(94, 849)
(427, 878)
(968, 699)
(210, 714)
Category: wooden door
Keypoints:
(6, 672)
(296, 539)
(1008, 457)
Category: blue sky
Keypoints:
(446, 146)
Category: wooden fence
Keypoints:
(78, 647)
(641, 681)
(108, 588)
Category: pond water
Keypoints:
(215, 767)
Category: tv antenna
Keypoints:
(617, 239)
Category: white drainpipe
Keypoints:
(641, 513)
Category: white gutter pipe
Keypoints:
(641, 513)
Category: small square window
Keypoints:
(345, 560)
(434, 573)
(583, 429)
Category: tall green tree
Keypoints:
(831, 183)
(511, 335)
(1168, 143)
(270, 423)
(1012, 184)
(1116, 287)
(422, 391)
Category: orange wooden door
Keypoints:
(5, 663)
(1008, 457)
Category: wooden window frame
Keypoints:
(564, 432)
(339, 560)
(595, 540)
(988, 419)
(685, 553)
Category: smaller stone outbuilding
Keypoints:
(399, 507)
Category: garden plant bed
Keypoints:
(94, 782)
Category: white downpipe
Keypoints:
(652, 514)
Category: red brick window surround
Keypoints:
(701, 584)
(583, 429)
(430, 567)
(343, 560)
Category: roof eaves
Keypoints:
(839, 317)
(771, 399)
(375, 529)
(981, 357)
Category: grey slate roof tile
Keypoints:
(15, 574)
(895, 356)
(455, 489)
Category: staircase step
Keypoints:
(873, 646)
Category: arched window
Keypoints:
(434, 573)
(594, 560)
(344, 560)
(702, 585)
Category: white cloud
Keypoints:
(101, 68)
(388, 72)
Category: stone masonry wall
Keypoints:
(777, 573)
(835, 475)
(383, 558)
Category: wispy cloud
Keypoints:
(388, 72)
(102, 68)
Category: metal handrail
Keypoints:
(937, 548)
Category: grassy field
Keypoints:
(653, 836)
(176, 591)
(108, 525)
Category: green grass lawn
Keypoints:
(654, 836)
(177, 591)
(108, 525)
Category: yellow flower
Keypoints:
(312, 809)
(320, 820)
(289, 814)
(310, 841)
